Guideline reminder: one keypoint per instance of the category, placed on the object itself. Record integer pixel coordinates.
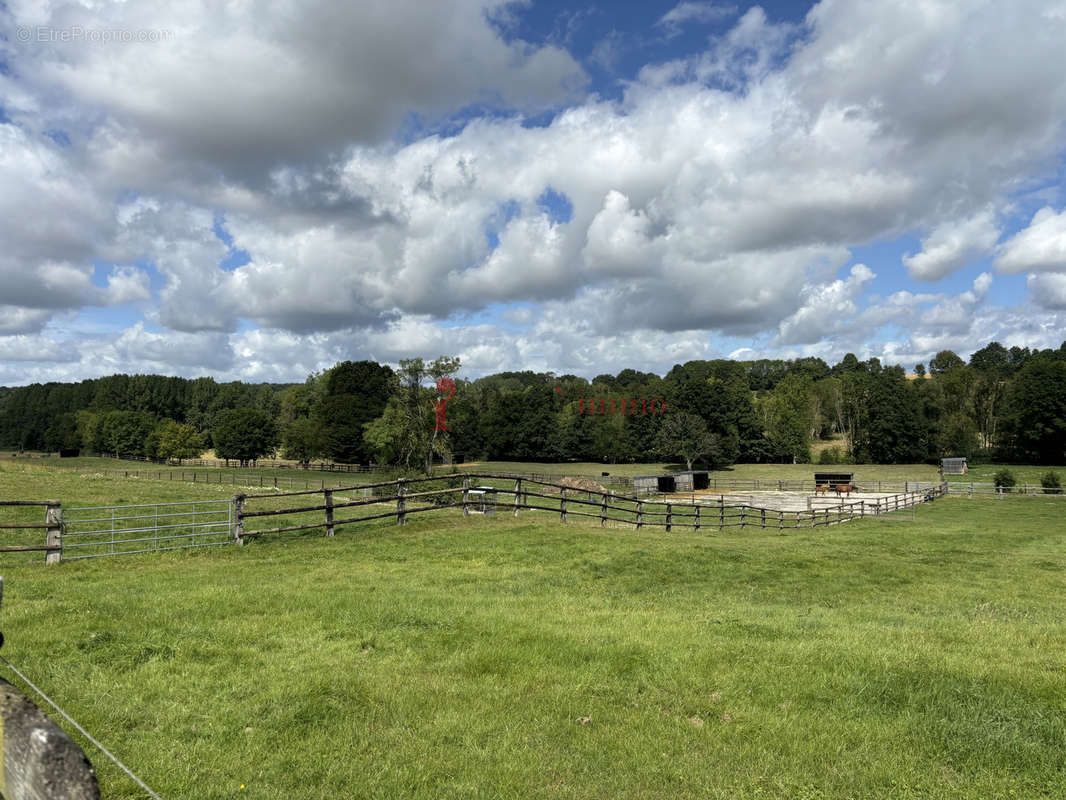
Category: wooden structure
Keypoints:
(664, 484)
(546, 497)
(692, 481)
(953, 466)
(52, 526)
(833, 479)
(38, 760)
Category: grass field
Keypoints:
(984, 473)
(521, 658)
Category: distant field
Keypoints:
(522, 658)
(263, 475)
(984, 473)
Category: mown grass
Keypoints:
(495, 657)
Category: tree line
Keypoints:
(1004, 403)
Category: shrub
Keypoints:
(1051, 483)
(831, 455)
(1004, 479)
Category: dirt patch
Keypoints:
(583, 484)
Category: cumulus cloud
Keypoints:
(336, 74)
(35, 348)
(951, 245)
(722, 195)
(1048, 291)
(825, 309)
(14, 319)
(1041, 246)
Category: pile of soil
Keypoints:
(582, 484)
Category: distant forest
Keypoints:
(1004, 404)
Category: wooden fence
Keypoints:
(40, 761)
(527, 494)
(735, 484)
(52, 525)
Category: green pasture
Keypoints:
(1024, 474)
(502, 658)
(262, 476)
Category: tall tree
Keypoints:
(353, 394)
(686, 435)
(408, 430)
(178, 441)
(1038, 407)
(244, 435)
(943, 361)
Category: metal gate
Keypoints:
(100, 531)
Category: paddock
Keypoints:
(787, 500)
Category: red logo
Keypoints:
(599, 405)
(446, 386)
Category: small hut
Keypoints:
(692, 481)
(655, 483)
(953, 466)
(832, 479)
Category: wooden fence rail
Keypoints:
(52, 526)
(531, 494)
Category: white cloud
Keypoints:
(700, 12)
(721, 195)
(35, 348)
(951, 245)
(826, 309)
(337, 74)
(1041, 246)
(1048, 291)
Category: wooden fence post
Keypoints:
(640, 514)
(697, 523)
(669, 514)
(763, 510)
(401, 503)
(38, 759)
(328, 493)
(603, 511)
(466, 497)
(562, 505)
(238, 519)
(53, 518)
(517, 496)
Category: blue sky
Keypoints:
(528, 185)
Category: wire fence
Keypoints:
(106, 531)
(989, 489)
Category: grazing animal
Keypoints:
(821, 489)
(845, 488)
